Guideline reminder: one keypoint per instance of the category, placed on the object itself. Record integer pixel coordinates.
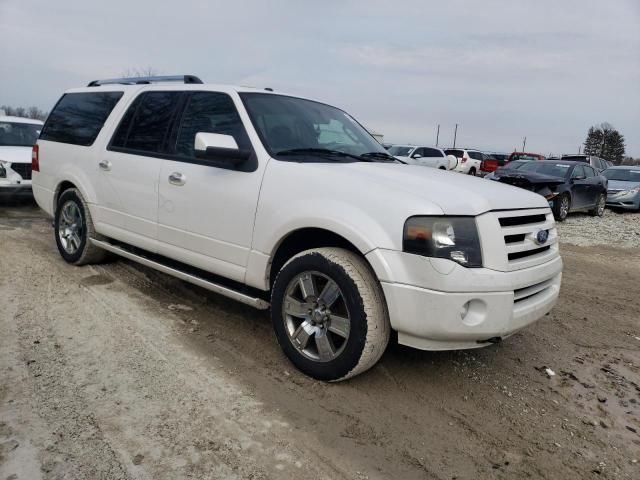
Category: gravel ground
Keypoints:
(118, 372)
(615, 228)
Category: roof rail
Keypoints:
(145, 80)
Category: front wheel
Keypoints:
(598, 209)
(329, 314)
(561, 207)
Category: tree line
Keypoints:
(606, 142)
(28, 112)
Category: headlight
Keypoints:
(629, 192)
(453, 238)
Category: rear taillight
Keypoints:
(35, 158)
(464, 159)
(489, 165)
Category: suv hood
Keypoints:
(15, 154)
(418, 186)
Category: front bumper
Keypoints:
(12, 189)
(630, 201)
(426, 301)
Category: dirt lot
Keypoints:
(118, 372)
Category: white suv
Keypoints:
(285, 203)
(426, 156)
(469, 161)
(17, 136)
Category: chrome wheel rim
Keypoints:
(601, 204)
(564, 207)
(316, 317)
(70, 227)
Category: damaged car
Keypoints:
(568, 186)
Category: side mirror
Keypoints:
(416, 156)
(218, 147)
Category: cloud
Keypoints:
(500, 69)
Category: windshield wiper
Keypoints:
(320, 151)
(381, 155)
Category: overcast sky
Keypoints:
(503, 70)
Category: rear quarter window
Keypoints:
(78, 118)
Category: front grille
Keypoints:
(519, 237)
(522, 220)
(22, 169)
(527, 253)
(520, 231)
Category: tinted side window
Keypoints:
(578, 172)
(211, 112)
(590, 172)
(432, 152)
(78, 117)
(418, 151)
(455, 153)
(146, 124)
(475, 155)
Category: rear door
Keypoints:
(130, 167)
(207, 218)
(595, 187)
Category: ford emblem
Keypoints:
(542, 236)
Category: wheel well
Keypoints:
(305, 239)
(66, 185)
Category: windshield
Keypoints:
(14, 134)
(289, 124)
(399, 151)
(622, 175)
(547, 168)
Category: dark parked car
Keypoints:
(568, 186)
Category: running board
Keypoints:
(187, 277)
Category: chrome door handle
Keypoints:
(105, 165)
(176, 178)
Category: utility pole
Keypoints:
(524, 142)
(437, 135)
(455, 135)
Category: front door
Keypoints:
(580, 188)
(206, 212)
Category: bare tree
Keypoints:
(140, 72)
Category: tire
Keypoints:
(441, 168)
(472, 171)
(72, 236)
(561, 209)
(601, 203)
(355, 343)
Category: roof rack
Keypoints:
(145, 80)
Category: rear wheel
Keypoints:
(598, 209)
(472, 171)
(561, 207)
(74, 229)
(329, 314)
